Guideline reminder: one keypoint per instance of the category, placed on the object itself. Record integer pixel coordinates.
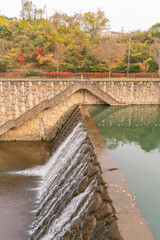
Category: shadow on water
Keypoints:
(132, 135)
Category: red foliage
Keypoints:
(16, 74)
(35, 53)
(21, 58)
(79, 55)
(140, 74)
(99, 75)
(40, 51)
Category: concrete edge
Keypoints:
(130, 222)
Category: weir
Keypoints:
(71, 199)
(65, 192)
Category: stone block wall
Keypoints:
(132, 92)
(18, 97)
(46, 124)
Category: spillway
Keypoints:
(59, 199)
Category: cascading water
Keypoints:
(59, 201)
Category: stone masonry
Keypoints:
(17, 97)
(32, 108)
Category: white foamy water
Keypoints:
(57, 205)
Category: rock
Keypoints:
(75, 193)
(99, 188)
(86, 149)
(79, 236)
(101, 225)
(100, 180)
(104, 210)
(90, 180)
(94, 160)
(75, 225)
(105, 196)
(83, 184)
(95, 203)
(113, 232)
(86, 171)
(67, 236)
(93, 171)
(88, 228)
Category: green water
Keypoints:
(133, 136)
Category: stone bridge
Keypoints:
(37, 109)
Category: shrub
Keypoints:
(3, 65)
(33, 73)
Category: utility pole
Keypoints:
(129, 55)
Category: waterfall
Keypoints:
(57, 205)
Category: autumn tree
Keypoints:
(5, 32)
(155, 30)
(144, 66)
(73, 43)
(94, 23)
(110, 53)
(53, 59)
(155, 52)
(31, 13)
(4, 47)
(58, 55)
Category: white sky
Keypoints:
(129, 15)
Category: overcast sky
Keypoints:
(123, 14)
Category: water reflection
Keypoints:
(133, 136)
(22, 155)
(138, 124)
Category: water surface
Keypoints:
(133, 136)
(16, 198)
